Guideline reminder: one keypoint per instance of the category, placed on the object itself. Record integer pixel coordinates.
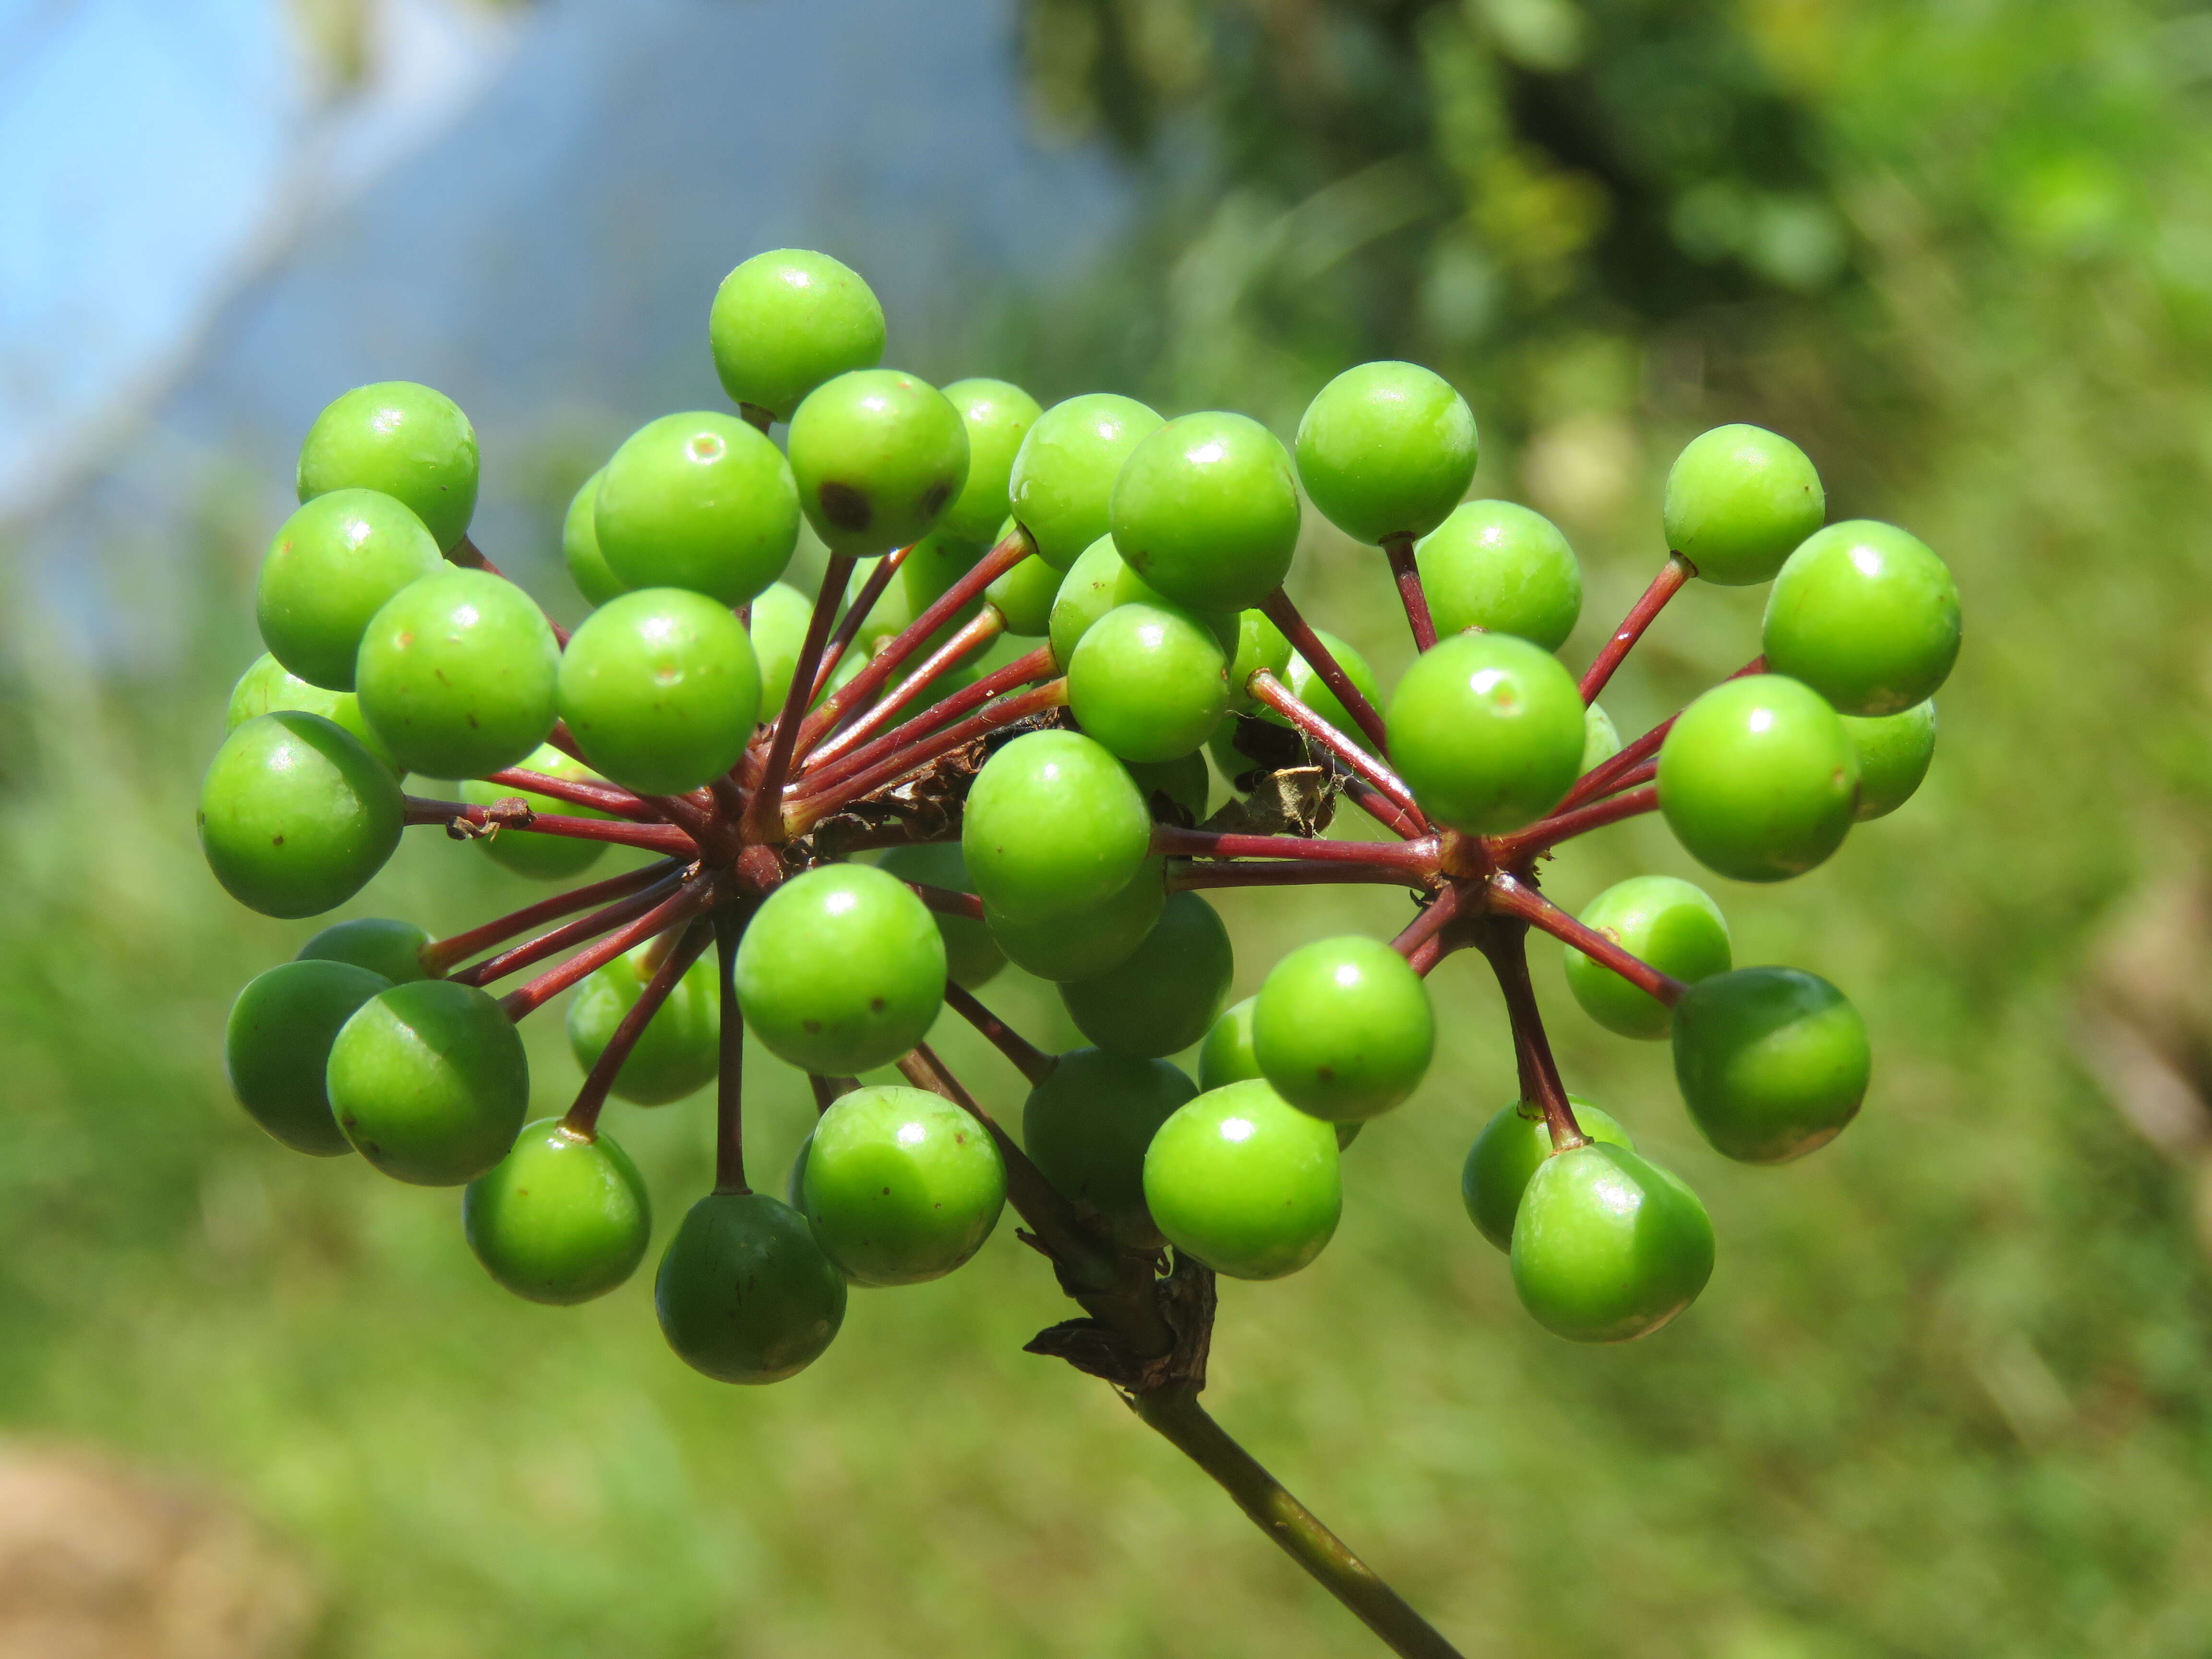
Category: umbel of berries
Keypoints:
(1047, 692)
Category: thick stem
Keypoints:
(812, 807)
(730, 1073)
(676, 908)
(517, 957)
(855, 619)
(827, 1089)
(764, 823)
(654, 837)
(1413, 858)
(1507, 944)
(1516, 899)
(1279, 609)
(1565, 826)
(1266, 689)
(1668, 583)
(1605, 777)
(971, 637)
(1399, 550)
(947, 903)
(439, 957)
(1442, 912)
(583, 1118)
(1031, 1061)
(1177, 1415)
(827, 766)
(466, 554)
(576, 792)
(1186, 877)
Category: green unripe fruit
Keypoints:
(1025, 597)
(1739, 498)
(580, 545)
(1064, 473)
(659, 689)
(878, 456)
(1100, 581)
(1600, 737)
(679, 1051)
(1864, 614)
(1387, 449)
(998, 416)
(456, 674)
(1259, 644)
(403, 439)
(785, 321)
(1086, 942)
(561, 1219)
(841, 970)
(776, 633)
(698, 501)
(1306, 684)
(1053, 827)
(331, 566)
(1164, 998)
(1205, 509)
(1087, 1125)
(1497, 566)
(1608, 1247)
(1508, 1152)
(531, 853)
(972, 957)
(745, 1293)
(1773, 1062)
(1228, 1055)
(278, 1042)
(1757, 778)
(1149, 682)
(1488, 730)
(1894, 751)
(391, 950)
(265, 688)
(1667, 923)
(296, 816)
(430, 1082)
(1343, 1028)
(902, 1185)
(1185, 781)
(1245, 1182)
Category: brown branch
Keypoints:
(855, 619)
(1440, 914)
(1547, 833)
(947, 902)
(1031, 1061)
(1516, 897)
(971, 637)
(679, 907)
(437, 958)
(583, 1117)
(817, 803)
(825, 766)
(1399, 550)
(764, 822)
(516, 958)
(1186, 877)
(1506, 943)
(1414, 858)
(1668, 582)
(1265, 687)
(654, 837)
(730, 1070)
(1279, 609)
(1605, 777)
(577, 792)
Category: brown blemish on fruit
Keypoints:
(845, 506)
(935, 498)
(876, 1004)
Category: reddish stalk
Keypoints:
(1518, 899)
(676, 908)
(466, 554)
(1268, 689)
(947, 902)
(1668, 583)
(1428, 953)
(1185, 877)
(1279, 609)
(1417, 858)
(1506, 943)
(1440, 914)
(1565, 826)
(534, 950)
(764, 823)
(583, 1117)
(655, 837)
(730, 1074)
(819, 802)
(1382, 810)
(855, 619)
(1399, 550)
(459, 947)
(971, 637)
(1031, 1061)
(577, 792)
(1605, 777)
(826, 766)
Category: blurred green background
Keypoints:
(1949, 1393)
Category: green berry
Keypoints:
(744, 1293)
(1756, 779)
(1894, 751)
(998, 417)
(1205, 509)
(1245, 1182)
(1227, 1054)
(1259, 644)
(679, 1051)
(1184, 780)
(778, 631)
(1053, 827)
(456, 674)
(1343, 1028)
(1304, 683)
(579, 545)
(1773, 1062)
(841, 970)
(659, 689)
(1739, 498)
(697, 501)
(1149, 682)
(972, 957)
(1087, 942)
(785, 321)
(1086, 1126)
(331, 566)
(878, 456)
(1064, 473)
(902, 1185)
(1387, 449)
(1488, 730)
(266, 687)
(296, 816)
(389, 949)
(1667, 923)
(1497, 566)
(1100, 581)
(430, 1082)
(1864, 614)
(1510, 1149)
(1025, 596)
(561, 1219)
(1600, 737)
(1608, 1247)
(403, 439)
(278, 1042)
(1164, 998)
(531, 853)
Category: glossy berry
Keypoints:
(579, 545)
(1756, 779)
(430, 1082)
(1739, 499)
(331, 567)
(972, 957)
(1259, 644)
(1205, 509)
(1024, 596)
(1600, 737)
(1149, 682)
(659, 689)
(532, 853)
(1245, 1182)
(679, 1050)
(1087, 942)
(1184, 781)
(561, 1219)
(456, 674)
(1663, 920)
(1894, 751)
(777, 632)
(1164, 998)
(1864, 614)
(1096, 584)
(266, 687)
(842, 970)
(1773, 1062)
(785, 321)
(1498, 566)
(1227, 1054)
(698, 501)
(1510, 1149)
(1053, 827)
(404, 440)
(745, 1293)
(1608, 1247)
(1064, 473)
(1305, 683)
(878, 456)
(1488, 730)
(296, 816)
(998, 416)
(1087, 1125)
(1343, 1028)
(902, 1185)
(1387, 449)
(390, 949)
(278, 1042)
